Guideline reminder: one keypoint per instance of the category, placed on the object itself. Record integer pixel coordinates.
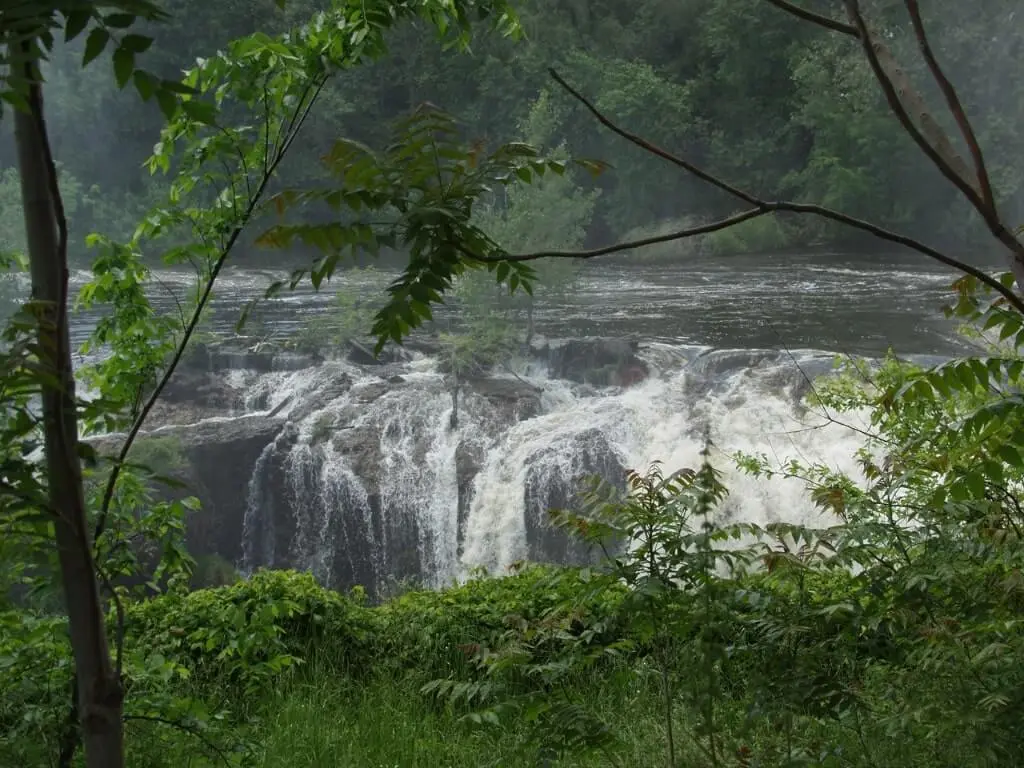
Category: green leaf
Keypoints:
(136, 43)
(119, 20)
(76, 22)
(175, 86)
(168, 103)
(94, 44)
(200, 111)
(145, 83)
(1010, 455)
(124, 65)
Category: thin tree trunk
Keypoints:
(99, 689)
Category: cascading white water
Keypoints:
(368, 477)
(660, 420)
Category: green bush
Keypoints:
(35, 676)
(248, 633)
(765, 233)
(671, 252)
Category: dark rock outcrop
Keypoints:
(601, 362)
(214, 460)
(469, 460)
(554, 479)
(358, 353)
(516, 399)
(232, 356)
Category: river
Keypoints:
(361, 475)
(846, 303)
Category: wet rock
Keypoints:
(469, 460)
(191, 396)
(555, 478)
(368, 392)
(333, 386)
(361, 446)
(362, 354)
(601, 362)
(217, 459)
(234, 356)
(517, 399)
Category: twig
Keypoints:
(815, 18)
(874, 52)
(296, 121)
(954, 104)
(186, 729)
(170, 292)
(644, 144)
(681, 234)
(938, 149)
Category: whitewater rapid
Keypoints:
(342, 512)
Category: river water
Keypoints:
(373, 481)
(855, 304)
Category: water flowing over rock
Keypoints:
(364, 476)
(220, 455)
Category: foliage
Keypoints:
(350, 316)
(772, 103)
(420, 192)
(207, 207)
(932, 529)
(767, 233)
(891, 637)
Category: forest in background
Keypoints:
(889, 637)
(782, 108)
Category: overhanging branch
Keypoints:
(936, 145)
(297, 119)
(815, 18)
(682, 234)
(758, 208)
(905, 101)
(647, 146)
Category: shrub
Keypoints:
(765, 233)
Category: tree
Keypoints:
(98, 693)
(279, 80)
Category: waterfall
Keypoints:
(370, 482)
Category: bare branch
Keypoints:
(681, 234)
(815, 18)
(929, 137)
(295, 123)
(760, 207)
(633, 138)
(954, 103)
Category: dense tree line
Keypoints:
(774, 105)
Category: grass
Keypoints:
(323, 718)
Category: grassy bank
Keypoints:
(546, 667)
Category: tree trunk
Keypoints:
(99, 689)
